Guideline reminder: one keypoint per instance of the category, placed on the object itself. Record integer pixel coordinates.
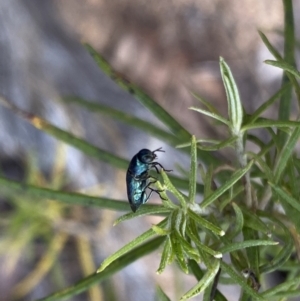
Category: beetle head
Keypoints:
(148, 156)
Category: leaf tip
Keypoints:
(218, 255)
(99, 270)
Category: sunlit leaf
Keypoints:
(193, 171)
(229, 183)
(204, 282)
(235, 109)
(129, 247)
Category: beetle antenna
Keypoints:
(158, 150)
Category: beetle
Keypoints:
(137, 177)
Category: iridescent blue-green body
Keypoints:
(138, 178)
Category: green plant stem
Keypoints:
(242, 158)
(289, 57)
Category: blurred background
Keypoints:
(169, 48)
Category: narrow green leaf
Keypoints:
(237, 258)
(270, 47)
(206, 103)
(246, 244)
(235, 192)
(252, 252)
(209, 114)
(256, 140)
(229, 183)
(275, 139)
(296, 162)
(101, 61)
(268, 103)
(211, 291)
(176, 219)
(141, 124)
(131, 245)
(286, 197)
(180, 183)
(252, 221)
(191, 255)
(287, 248)
(285, 66)
(204, 282)
(185, 244)
(97, 278)
(205, 223)
(160, 231)
(270, 123)
(161, 295)
(292, 214)
(288, 294)
(202, 246)
(140, 95)
(173, 189)
(193, 228)
(285, 154)
(203, 173)
(182, 225)
(225, 143)
(289, 32)
(286, 286)
(293, 176)
(235, 109)
(10, 187)
(208, 178)
(178, 250)
(239, 221)
(188, 144)
(193, 171)
(241, 281)
(195, 269)
(154, 210)
(66, 137)
(165, 256)
(279, 260)
(262, 165)
(284, 110)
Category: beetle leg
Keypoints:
(157, 191)
(147, 198)
(153, 164)
(154, 180)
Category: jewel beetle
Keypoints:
(138, 178)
